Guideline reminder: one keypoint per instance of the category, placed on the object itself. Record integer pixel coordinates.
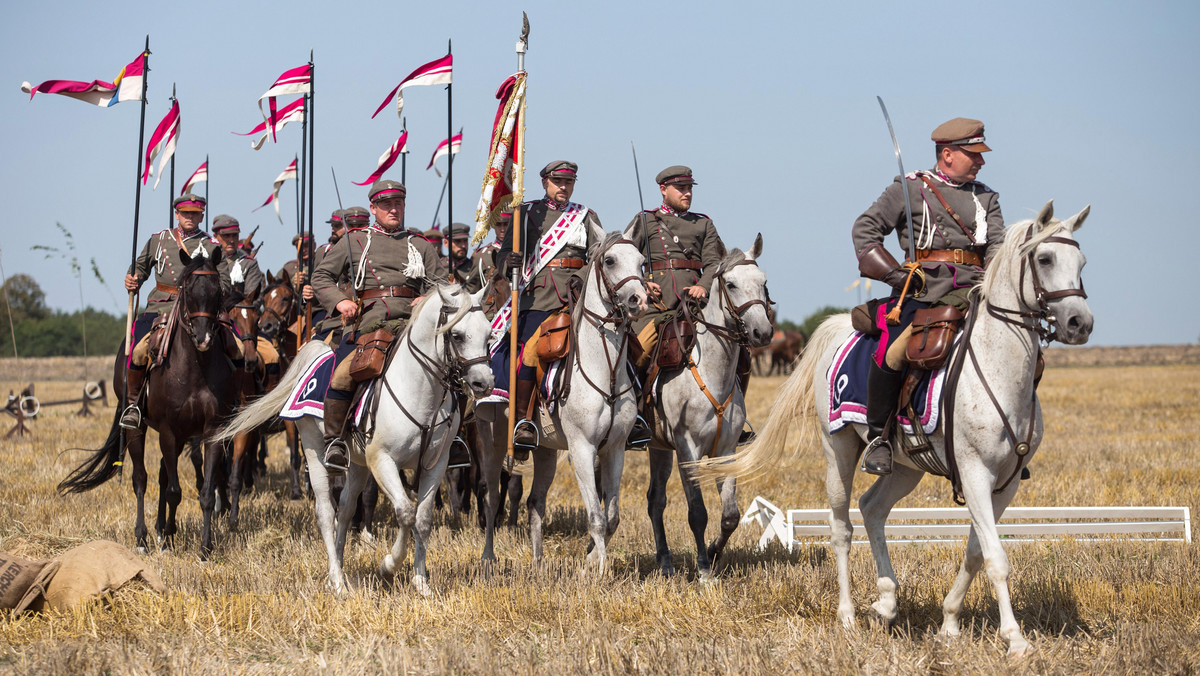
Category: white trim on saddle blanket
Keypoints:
(308, 396)
(843, 412)
(562, 232)
(500, 396)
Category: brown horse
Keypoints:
(189, 395)
(245, 317)
(280, 311)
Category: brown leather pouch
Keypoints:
(370, 355)
(554, 338)
(862, 317)
(933, 332)
(675, 341)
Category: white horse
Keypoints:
(1032, 290)
(445, 341)
(701, 409)
(594, 418)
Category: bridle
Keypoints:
(617, 316)
(269, 311)
(188, 316)
(1042, 321)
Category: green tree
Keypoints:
(26, 299)
(814, 320)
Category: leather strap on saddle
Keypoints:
(570, 263)
(958, 256)
(676, 264)
(388, 292)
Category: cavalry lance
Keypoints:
(514, 233)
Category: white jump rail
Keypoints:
(1019, 524)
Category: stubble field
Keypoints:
(1115, 434)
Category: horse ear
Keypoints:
(597, 232)
(477, 297)
(1045, 215)
(631, 231)
(756, 250)
(270, 278)
(1077, 220)
(217, 254)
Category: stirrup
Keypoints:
(877, 469)
(639, 435)
(537, 436)
(747, 436)
(131, 412)
(330, 461)
(459, 447)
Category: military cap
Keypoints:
(676, 175)
(296, 239)
(433, 233)
(356, 216)
(459, 231)
(560, 169)
(189, 202)
(962, 132)
(336, 217)
(225, 222)
(381, 190)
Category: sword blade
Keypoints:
(903, 181)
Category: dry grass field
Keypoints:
(1122, 435)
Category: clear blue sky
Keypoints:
(771, 104)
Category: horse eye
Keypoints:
(457, 336)
(609, 260)
(1045, 259)
(731, 285)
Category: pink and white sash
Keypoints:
(548, 247)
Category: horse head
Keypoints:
(200, 296)
(742, 289)
(1040, 261)
(618, 265)
(245, 316)
(279, 308)
(465, 330)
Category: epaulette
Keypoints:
(700, 215)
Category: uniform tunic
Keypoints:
(387, 254)
(244, 275)
(548, 290)
(674, 236)
(976, 204)
(161, 254)
(483, 263)
(461, 271)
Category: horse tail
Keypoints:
(266, 407)
(794, 409)
(103, 464)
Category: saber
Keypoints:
(349, 252)
(912, 256)
(642, 204)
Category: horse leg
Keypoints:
(697, 519)
(583, 455)
(661, 465)
(423, 523)
(545, 464)
(985, 509)
(514, 487)
(241, 446)
(289, 429)
(310, 436)
(136, 443)
(197, 457)
(453, 497)
(170, 494)
(367, 502)
(612, 464)
(875, 505)
(213, 456)
(388, 476)
(841, 461)
(952, 605)
(489, 423)
(731, 516)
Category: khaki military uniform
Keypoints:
(548, 290)
(244, 275)
(685, 248)
(461, 271)
(977, 205)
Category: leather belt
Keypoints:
(167, 288)
(572, 263)
(676, 264)
(959, 256)
(388, 292)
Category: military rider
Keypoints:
(484, 259)
(548, 290)
(390, 269)
(684, 249)
(957, 227)
(459, 263)
(245, 278)
(161, 253)
(295, 268)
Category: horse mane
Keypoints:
(731, 259)
(452, 289)
(603, 245)
(1014, 248)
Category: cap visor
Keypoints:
(976, 148)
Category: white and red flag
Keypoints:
(162, 144)
(200, 175)
(126, 87)
(436, 72)
(502, 183)
(295, 81)
(452, 146)
(289, 173)
(387, 159)
(292, 112)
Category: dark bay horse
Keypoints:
(189, 395)
(280, 310)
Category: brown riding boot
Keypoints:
(337, 456)
(883, 388)
(135, 379)
(525, 435)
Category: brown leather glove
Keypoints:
(875, 262)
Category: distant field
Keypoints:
(1116, 433)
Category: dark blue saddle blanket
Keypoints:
(308, 396)
(848, 388)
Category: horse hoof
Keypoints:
(387, 567)
(849, 623)
(422, 586)
(140, 550)
(877, 617)
(707, 578)
(1020, 650)
(296, 495)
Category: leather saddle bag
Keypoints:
(554, 337)
(370, 355)
(933, 332)
(862, 317)
(675, 341)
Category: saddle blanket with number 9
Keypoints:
(848, 388)
(308, 396)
